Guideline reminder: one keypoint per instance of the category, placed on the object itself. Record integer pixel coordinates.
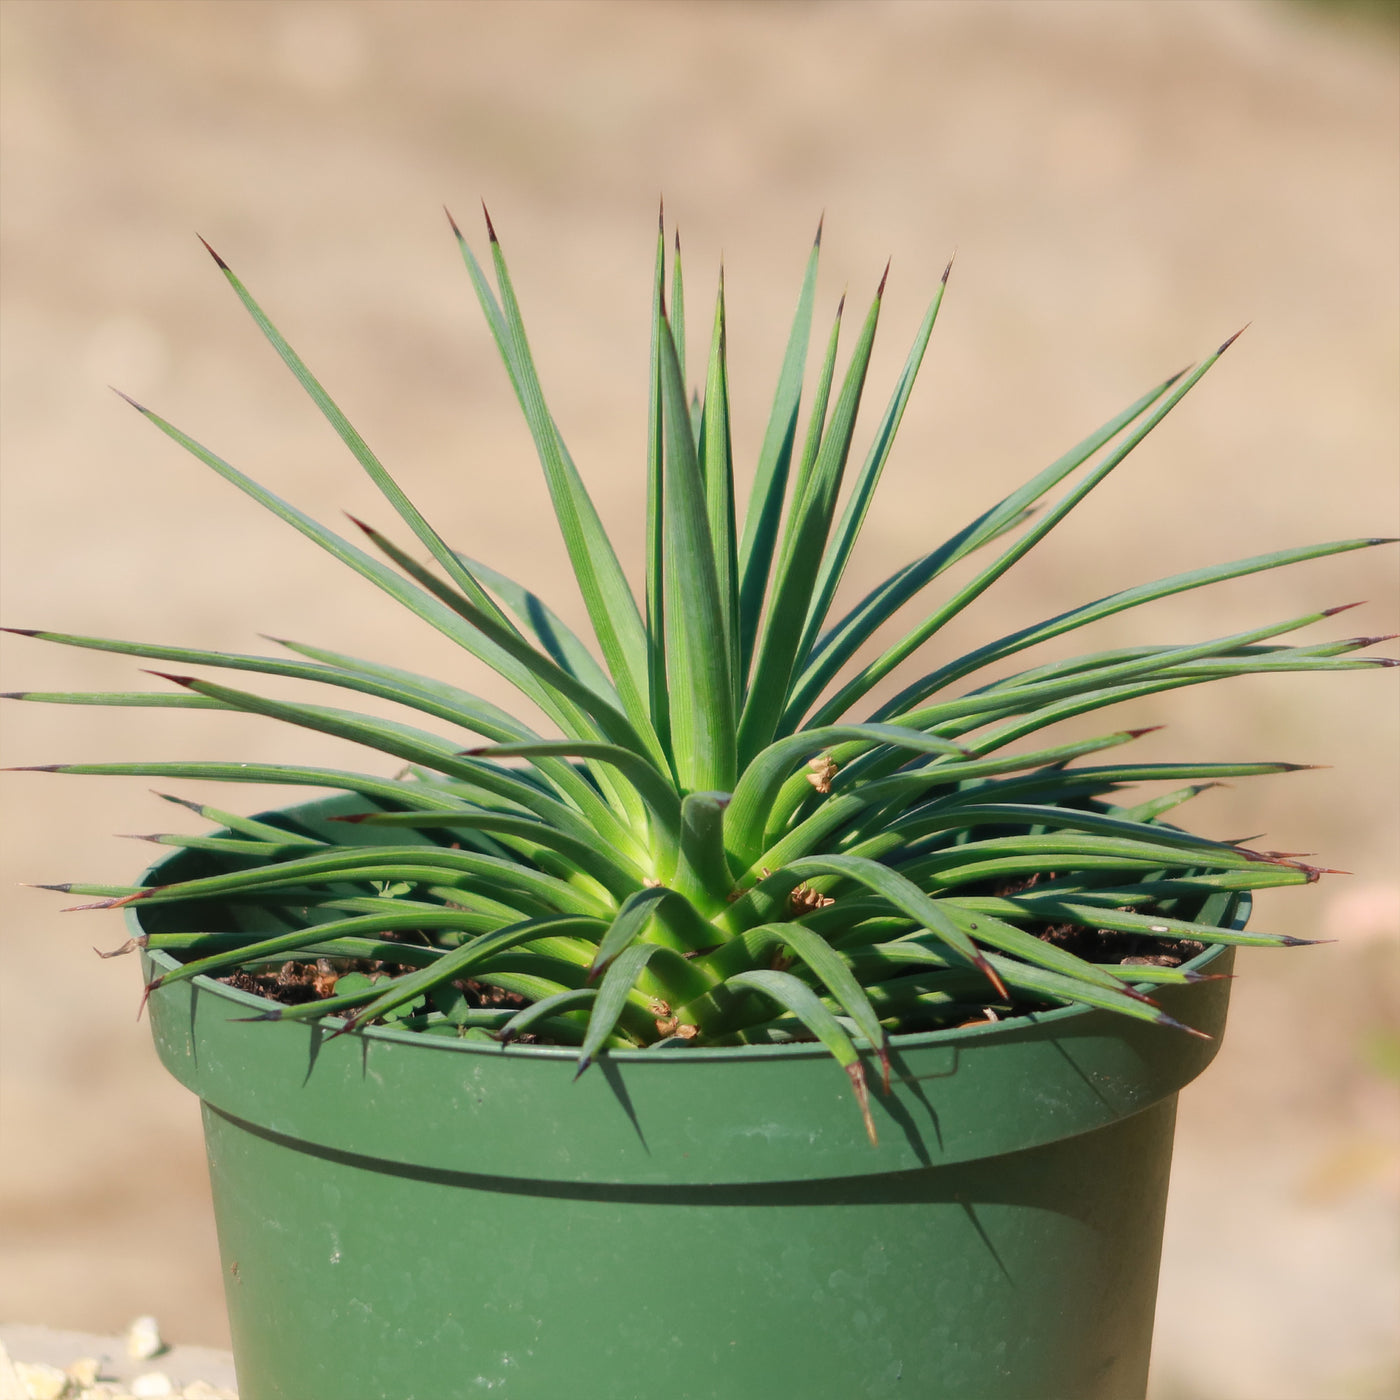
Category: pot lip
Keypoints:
(728, 1054)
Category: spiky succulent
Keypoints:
(713, 851)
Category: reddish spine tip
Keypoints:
(140, 408)
(1227, 344)
(355, 520)
(35, 768)
(678, 242)
(1382, 660)
(14, 694)
(452, 222)
(222, 264)
(1138, 733)
(993, 977)
(884, 276)
(1344, 607)
(661, 214)
(185, 681)
(490, 228)
(821, 222)
(841, 306)
(23, 631)
(582, 1065)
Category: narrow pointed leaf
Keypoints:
(803, 543)
(613, 991)
(881, 667)
(838, 553)
(765, 507)
(797, 997)
(697, 661)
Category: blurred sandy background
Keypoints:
(1126, 184)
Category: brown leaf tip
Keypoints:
(181, 801)
(1332, 612)
(22, 631)
(453, 223)
(490, 228)
(884, 276)
(821, 223)
(139, 407)
(186, 681)
(1227, 344)
(223, 266)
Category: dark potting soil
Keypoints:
(295, 983)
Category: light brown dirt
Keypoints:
(1126, 184)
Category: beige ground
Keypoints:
(1126, 183)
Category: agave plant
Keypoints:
(713, 850)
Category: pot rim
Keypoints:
(684, 1054)
(676, 1054)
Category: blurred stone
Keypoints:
(42, 1382)
(143, 1339)
(152, 1384)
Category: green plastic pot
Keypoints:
(418, 1218)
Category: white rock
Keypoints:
(84, 1371)
(10, 1386)
(41, 1381)
(151, 1384)
(143, 1339)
